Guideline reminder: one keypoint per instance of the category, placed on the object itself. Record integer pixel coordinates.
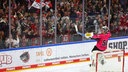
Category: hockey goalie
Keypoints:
(100, 52)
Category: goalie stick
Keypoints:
(86, 35)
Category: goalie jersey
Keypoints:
(102, 40)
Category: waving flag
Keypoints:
(37, 4)
(44, 4)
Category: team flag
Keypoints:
(37, 4)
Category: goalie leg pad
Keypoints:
(93, 58)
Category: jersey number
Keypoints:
(104, 43)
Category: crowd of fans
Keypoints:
(25, 19)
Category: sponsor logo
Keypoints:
(118, 45)
(43, 53)
(49, 52)
(40, 53)
(25, 57)
(5, 59)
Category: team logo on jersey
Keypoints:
(25, 57)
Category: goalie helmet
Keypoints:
(105, 28)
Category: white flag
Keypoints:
(36, 4)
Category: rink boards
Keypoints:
(72, 67)
(54, 54)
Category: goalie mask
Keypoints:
(105, 29)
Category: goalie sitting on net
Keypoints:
(101, 45)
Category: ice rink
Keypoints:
(73, 67)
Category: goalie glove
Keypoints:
(86, 35)
(89, 35)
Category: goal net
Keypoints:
(110, 61)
